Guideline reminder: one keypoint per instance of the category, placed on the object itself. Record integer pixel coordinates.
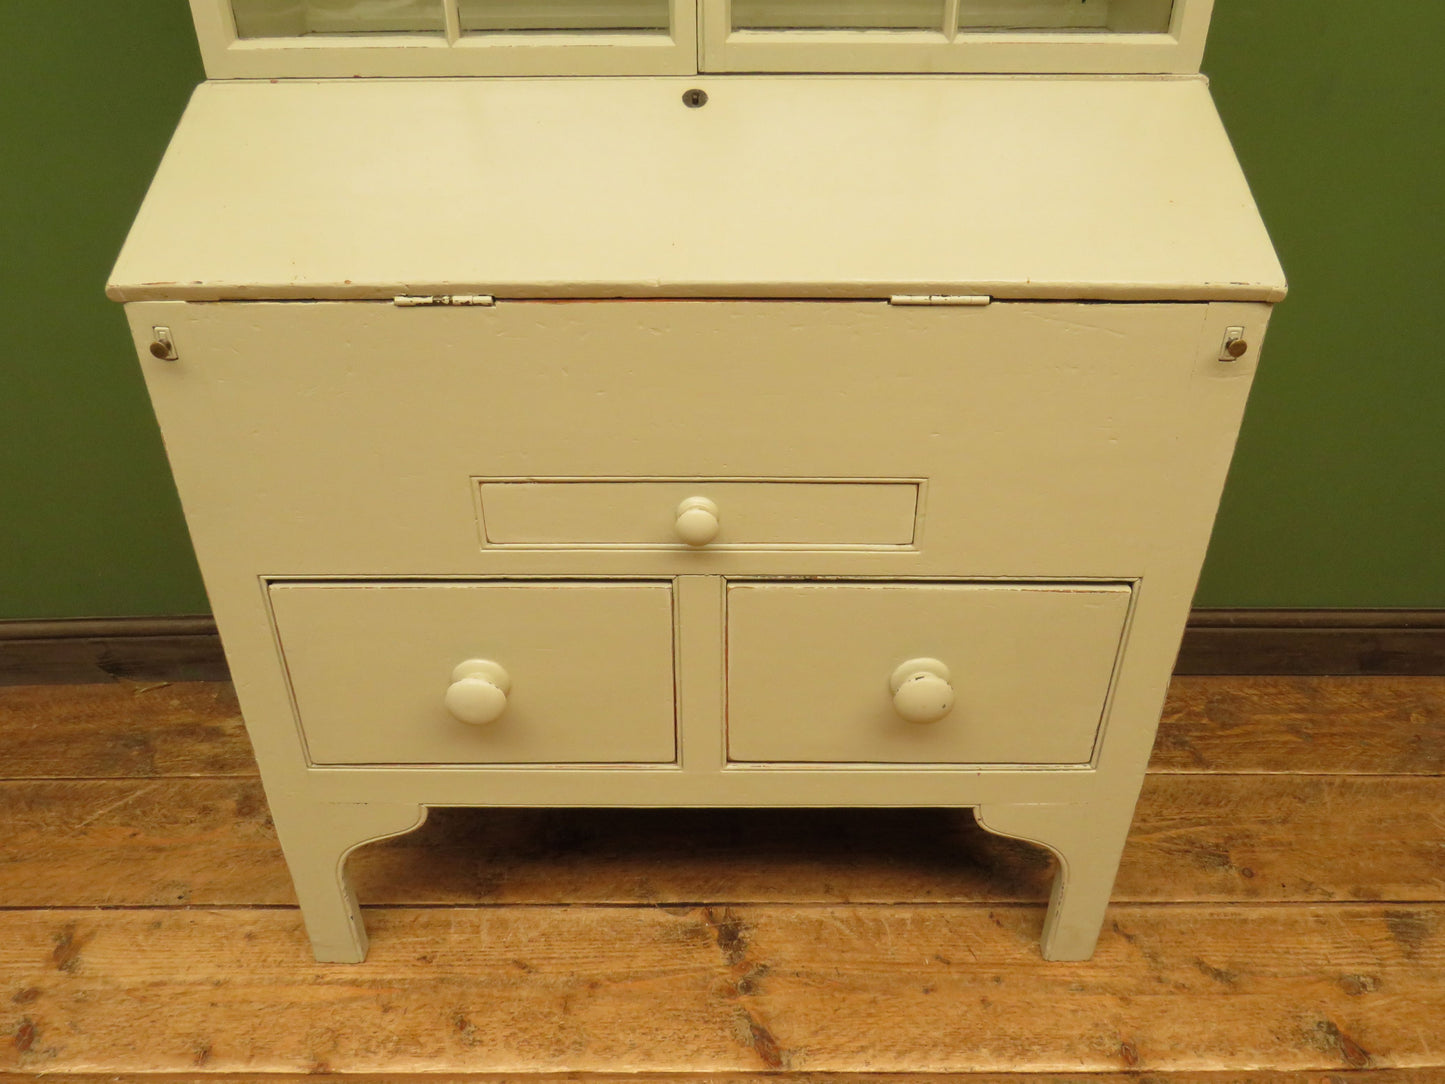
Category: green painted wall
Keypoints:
(1337, 497)
(90, 91)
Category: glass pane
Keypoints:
(838, 14)
(1114, 16)
(294, 18)
(485, 15)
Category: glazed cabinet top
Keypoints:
(776, 186)
(329, 38)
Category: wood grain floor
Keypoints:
(1279, 917)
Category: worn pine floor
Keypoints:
(1280, 916)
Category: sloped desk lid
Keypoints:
(777, 187)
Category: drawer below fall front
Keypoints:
(588, 665)
(589, 671)
(1025, 671)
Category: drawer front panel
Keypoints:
(1029, 667)
(589, 666)
(751, 514)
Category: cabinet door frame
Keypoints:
(700, 39)
(947, 50)
(512, 53)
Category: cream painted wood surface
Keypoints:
(1058, 458)
(342, 440)
(1030, 667)
(370, 664)
(749, 514)
(1051, 436)
(779, 186)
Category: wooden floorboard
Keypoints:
(939, 988)
(1343, 725)
(1279, 918)
(1256, 1076)
(1257, 838)
(123, 730)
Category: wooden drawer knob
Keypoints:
(697, 522)
(478, 692)
(921, 690)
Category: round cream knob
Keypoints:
(921, 692)
(478, 692)
(697, 522)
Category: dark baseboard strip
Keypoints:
(1353, 620)
(107, 628)
(89, 650)
(1401, 642)
(1304, 642)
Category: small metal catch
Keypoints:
(1234, 346)
(162, 346)
(694, 98)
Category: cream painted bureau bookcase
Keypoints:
(700, 403)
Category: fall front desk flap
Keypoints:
(759, 186)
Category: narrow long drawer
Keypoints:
(644, 513)
(1026, 671)
(588, 671)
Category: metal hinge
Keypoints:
(940, 299)
(411, 301)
